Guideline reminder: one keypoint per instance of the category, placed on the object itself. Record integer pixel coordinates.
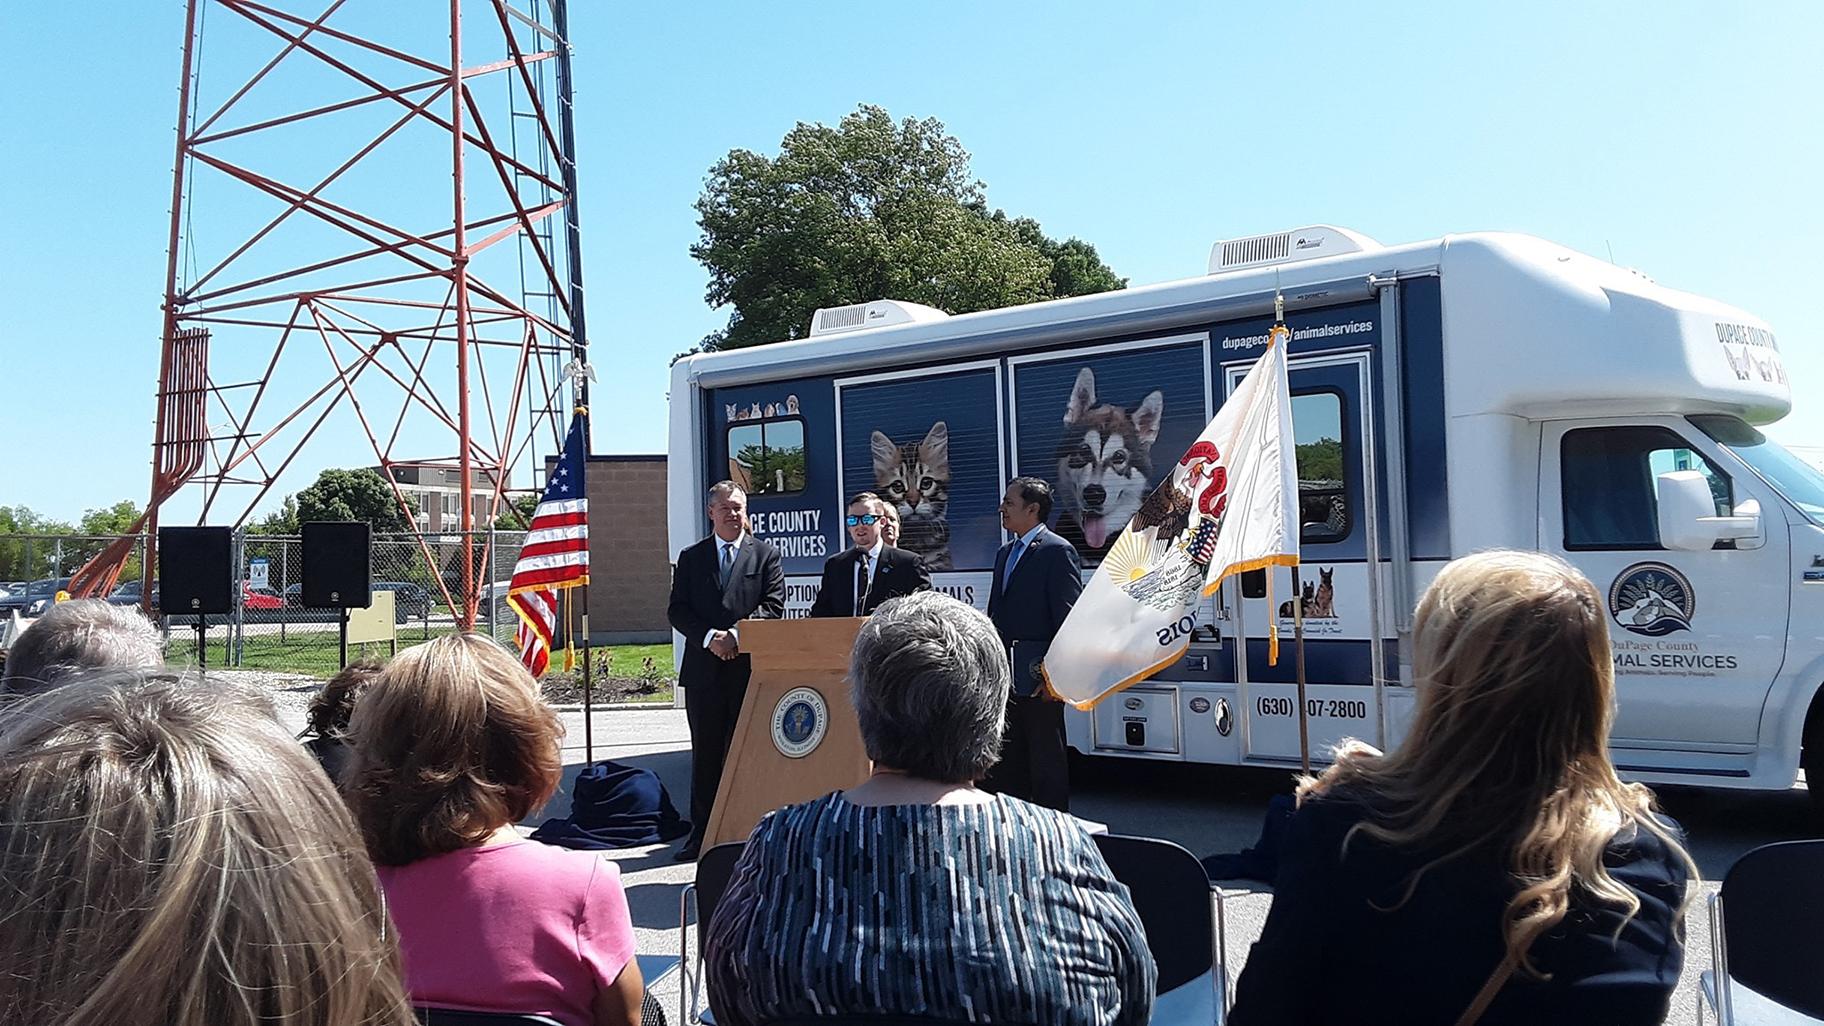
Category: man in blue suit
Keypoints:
(1037, 578)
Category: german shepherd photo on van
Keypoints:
(1320, 598)
(1105, 458)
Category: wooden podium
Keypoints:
(797, 738)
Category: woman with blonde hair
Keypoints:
(452, 746)
(1493, 868)
(173, 858)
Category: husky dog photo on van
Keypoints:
(915, 478)
(1105, 458)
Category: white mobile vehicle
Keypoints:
(1475, 391)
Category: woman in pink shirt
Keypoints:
(452, 746)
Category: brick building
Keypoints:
(629, 557)
(437, 492)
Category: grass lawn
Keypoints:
(308, 652)
(315, 653)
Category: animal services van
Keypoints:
(1474, 391)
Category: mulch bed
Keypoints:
(567, 688)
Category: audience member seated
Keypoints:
(326, 722)
(83, 634)
(1493, 864)
(173, 858)
(452, 746)
(915, 893)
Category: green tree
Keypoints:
(1076, 269)
(360, 494)
(516, 513)
(21, 559)
(116, 519)
(283, 520)
(773, 470)
(1321, 460)
(869, 209)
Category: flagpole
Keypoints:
(588, 660)
(588, 687)
(1281, 335)
(1298, 663)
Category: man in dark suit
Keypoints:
(729, 576)
(1037, 578)
(856, 582)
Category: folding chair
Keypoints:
(650, 1015)
(1172, 893)
(714, 868)
(1768, 950)
(453, 1017)
(870, 1021)
(653, 971)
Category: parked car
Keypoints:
(410, 601)
(127, 594)
(258, 603)
(34, 598)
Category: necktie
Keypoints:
(728, 561)
(861, 586)
(1019, 546)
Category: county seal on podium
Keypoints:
(800, 719)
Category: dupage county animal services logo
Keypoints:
(1652, 599)
(800, 719)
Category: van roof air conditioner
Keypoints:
(1309, 243)
(832, 320)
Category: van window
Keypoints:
(1324, 503)
(767, 458)
(1609, 484)
(1798, 481)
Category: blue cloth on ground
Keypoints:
(615, 806)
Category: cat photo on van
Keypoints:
(915, 478)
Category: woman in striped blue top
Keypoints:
(914, 893)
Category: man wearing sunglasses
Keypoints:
(857, 581)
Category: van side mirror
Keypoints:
(1688, 520)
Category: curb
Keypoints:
(577, 707)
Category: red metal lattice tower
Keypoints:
(315, 282)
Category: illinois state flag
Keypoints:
(1230, 505)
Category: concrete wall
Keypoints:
(629, 566)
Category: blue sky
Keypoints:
(1681, 137)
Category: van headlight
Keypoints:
(38, 607)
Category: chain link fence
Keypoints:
(25, 558)
(269, 628)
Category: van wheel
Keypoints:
(1811, 759)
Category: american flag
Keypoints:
(556, 552)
